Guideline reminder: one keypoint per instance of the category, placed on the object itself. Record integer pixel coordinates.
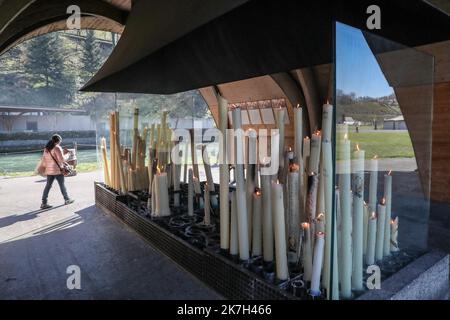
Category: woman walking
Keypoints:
(54, 162)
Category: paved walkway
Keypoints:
(36, 247)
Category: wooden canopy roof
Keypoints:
(21, 20)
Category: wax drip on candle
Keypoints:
(321, 217)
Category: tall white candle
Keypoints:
(394, 235)
(207, 166)
(267, 218)
(257, 224)
(387, 226)
(365, 226)
(307, 251)
(346, 216)
(298, 127)
(327, 121)
(379, 248)
(234, 240)
(320, 223)
(280, 115)
(334, 282)
(311, 200)
(328, 176)
(293, 207)
(358, 218)
(207, 209)
(224, 175)
(176, 184)
(280, 232)
(250, 180)
(197, 187)
(317, 264)
(371, 239)
(244, 251)
(306, 149)
(191, 192)
(314, 158)
(373, 186)
(162, 195)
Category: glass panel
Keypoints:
(186, 110)
(383, 157)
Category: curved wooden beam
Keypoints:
(43, 13)
(308, 84)
(295, 95)
(11, 10)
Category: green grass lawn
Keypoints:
(23, 165)
(383, 144)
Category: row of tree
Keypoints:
(48, 71)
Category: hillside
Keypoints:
(367, 111)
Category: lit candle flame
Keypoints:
(290, 149)
(258, 192)
(321, 216)
(158, 168)
(320, 234)
(373, 216)
(375, 157)
(305, 225)
(294, 167)
(306, 138)
(346, 136)
(390, 172)
(383, 201)
(298, 105)
(357, 147)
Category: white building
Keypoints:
(37, 119)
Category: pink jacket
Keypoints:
(51, 168)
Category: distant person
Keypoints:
(54, 161)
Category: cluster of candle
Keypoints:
(286, 215)
(366, 231)
(127, 170)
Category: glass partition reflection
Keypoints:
(185, 110)
(383, 157)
